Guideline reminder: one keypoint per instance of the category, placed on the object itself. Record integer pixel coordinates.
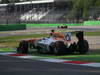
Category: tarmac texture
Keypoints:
(18, 66)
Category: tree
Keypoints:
(97, 3)
(83, 7)
(4, 1)
(14, 1)
(9, 1)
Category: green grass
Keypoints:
(92, 33)
(97, 33)
(14, 38)
(13, 41)
(86, 58)
(7, 50)
(89, 57)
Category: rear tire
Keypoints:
(72, 48)
(59, 48)
(83, 47)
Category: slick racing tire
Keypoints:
(72, 48)
(59, 48)
(83, 47)
(38, 49)
(23, 47)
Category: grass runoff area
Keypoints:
(8, 44)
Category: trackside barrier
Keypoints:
(91, 23)
(52, 25)
(74, 24)
(9, 27)
(12, 27)
(42, 25)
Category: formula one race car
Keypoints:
(63, 27)
(55, 45)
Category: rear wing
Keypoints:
(67, 36)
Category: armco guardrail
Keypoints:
(12, 27)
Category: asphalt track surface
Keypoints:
(47, 30)
(18, 66)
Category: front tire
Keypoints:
(23, 47)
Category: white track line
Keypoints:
(6, 53)
(28, 57)
(53, 60)
(92, 64)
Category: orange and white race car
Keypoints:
(57, 44)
